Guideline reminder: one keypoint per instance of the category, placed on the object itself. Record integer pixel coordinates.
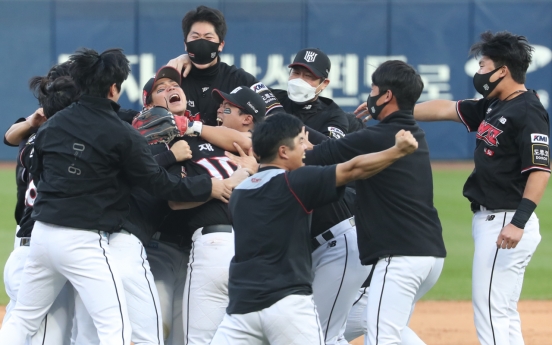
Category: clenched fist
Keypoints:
(405, 142)
(181, 150)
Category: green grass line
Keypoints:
(455, 281)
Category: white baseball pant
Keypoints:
(397, 284)
(206, 290)
(56, 327)
(293, 320)
(357, 324)
(338, 274)
(497, 277)
(168, 263)
(60, 254)
(142, 299)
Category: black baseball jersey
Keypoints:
(207, 159)
(21, 177)
(512, 140)
(326, 117)
(271, 218)
(394, 209)
(86, 160)
(199, 84)
(322, 115)
(25, 155)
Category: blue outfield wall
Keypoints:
(433, 36)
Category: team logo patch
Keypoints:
(259, 87)
(310, 56)
(255, 180)
(537, 138)
(336, 132)
(488, 152)
(502, 120)
(332, 244)
(206, 147)
(191, 103)
(541, 154)
(490, 217)
(488, 133)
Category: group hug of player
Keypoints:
(196, 221)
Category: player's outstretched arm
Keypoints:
(21, 130)
(225, 137)
(512, 233)
(436, 110)
(367, 165)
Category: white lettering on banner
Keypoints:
(277, 72)
(131, 87)
(436, 82)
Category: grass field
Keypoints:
(455, 281)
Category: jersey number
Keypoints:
(218, 167)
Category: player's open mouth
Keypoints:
(174, 98)
(219, 121)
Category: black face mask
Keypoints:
(482, 84)
(374, 109)
(202, 51)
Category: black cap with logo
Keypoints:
(314, 60)
(163, 72)
(244, 98)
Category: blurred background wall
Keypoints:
(434, 36)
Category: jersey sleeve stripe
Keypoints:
(296, 197)
(535, 168)
(459, 113)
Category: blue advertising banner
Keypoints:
(434, 36)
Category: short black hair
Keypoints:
(507, 49)
(39, 84)
(62, 92)
(95, 73)
(275, 131)
(402, 79)
(205, 14)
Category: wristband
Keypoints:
(523, 213)
(194, 128)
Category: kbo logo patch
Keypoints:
(537, 138)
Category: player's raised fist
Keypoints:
(405, 142)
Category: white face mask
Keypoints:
(300, 91)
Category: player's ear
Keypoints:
(247, 120)
(283, 152)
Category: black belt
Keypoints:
(327, 235)
(25, 241)
(209, 229)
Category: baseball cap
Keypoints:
(163, 72)
(314, 60)
(244, 98)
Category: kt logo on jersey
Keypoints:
(488, 133)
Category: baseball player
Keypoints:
(208, 225)
(168, 251)
(204, 31)
(56, 326)
(399, 230)
(80, 158)
(338, 273)
(512, 168)
(271, 272)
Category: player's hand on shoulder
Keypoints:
(220, 190)
(181, 63)
(361, 112)
(37, 118)
(509, 236)
(181, 150)
(247, 161)
(405, 142)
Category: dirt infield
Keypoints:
(451, 323)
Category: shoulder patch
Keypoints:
(537, 138)
(336, 132)
(541, 154)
